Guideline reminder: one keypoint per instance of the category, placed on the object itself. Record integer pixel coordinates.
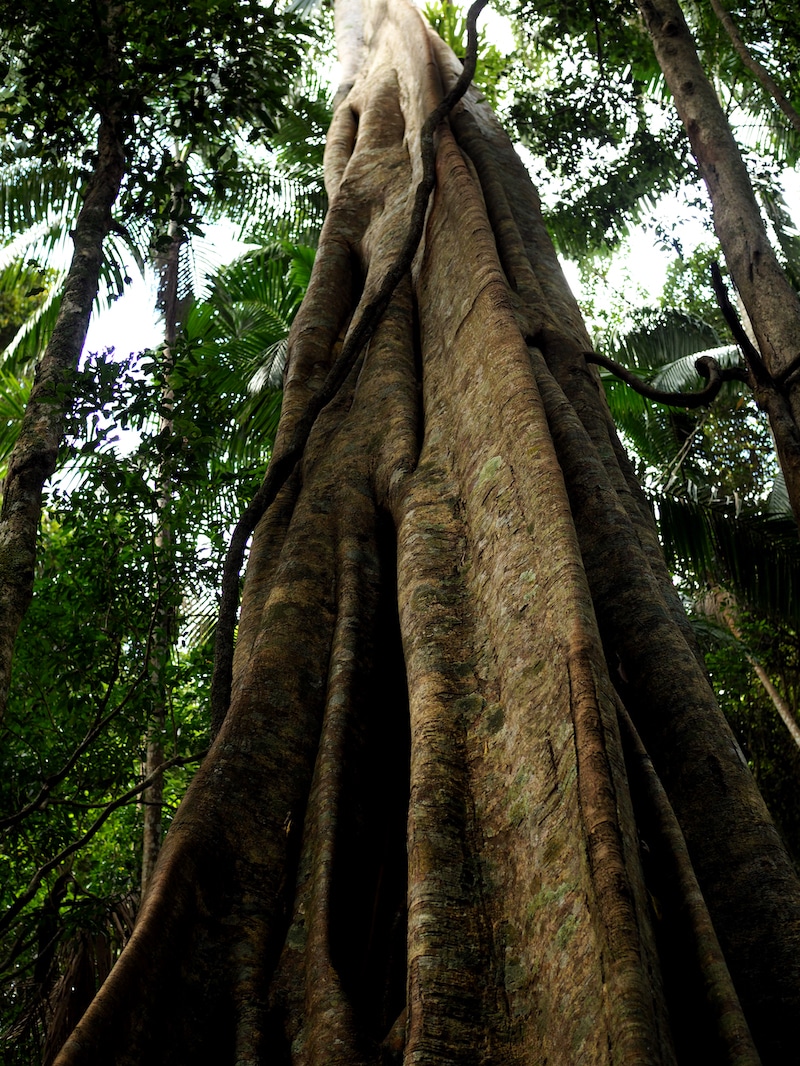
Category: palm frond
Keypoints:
(785, 231)
(681, 375)
(45, 243)
(663, 350)
(237, 343)
(705, 630)
(778, 504)
(757, 554)
(33, 195)
(304, 7)
(289, 206)
(662, 338)
(31, 338)
(14, 393)
(257, 425)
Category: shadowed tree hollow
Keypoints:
(473, 800)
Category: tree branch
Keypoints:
(707, 367)
(751, 354)
(26, 896)
(282, 465)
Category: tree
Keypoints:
(72, 747)
(639, 166)
(271, 297)
(131, 72)
(74, 791)
(751, 705)
(473, 798)
(771, 303)
(33, 458)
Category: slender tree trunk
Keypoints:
(772, 305)
(778, 702)
(33, 458)
(722, 606)
(164, 628)
(760, 72)
(153, 796)
(421, 835)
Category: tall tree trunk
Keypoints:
(33, 458)
(164, 627)
(772, 305)
(778, 702)
(420, 835)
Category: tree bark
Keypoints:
(33, 458)
(772, 305)
(419, 836)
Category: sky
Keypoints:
(131, 324)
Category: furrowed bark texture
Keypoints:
(771, 303)
(33, 458)
(420, 836)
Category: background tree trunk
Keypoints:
(166, 616)
(721, 606)
(33, 458)
(420, 836)
(761, 73)
(772, 305)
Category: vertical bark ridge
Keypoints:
(391, 375)
(266, 547)
(580, 386)
(453, 978)
(320, 1000)
(507, 464)
(329, 1032)
(734, 1042)
(635, 986)
(552, 317)
(315, 337)
(339, 144)
(696, 755)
